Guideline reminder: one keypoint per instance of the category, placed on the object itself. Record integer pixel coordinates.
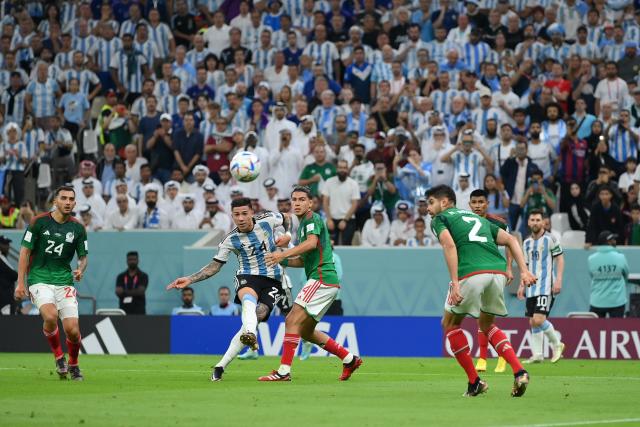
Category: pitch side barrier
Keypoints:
(420, 336)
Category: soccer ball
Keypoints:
(245, 166)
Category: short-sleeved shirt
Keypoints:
(251, 247)
(539, 255)
(53, 246)
(474, 238)
(74, 106)
(318, 263)
(326, 171)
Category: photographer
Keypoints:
(381, 188)
(538, 196)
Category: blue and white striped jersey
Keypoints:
(588, 50)
(442, 99)
(84, 44)
(149, 49)
(194, 57)
(323, 53)
(621, 144)
(64, 60)
(131, 81)
(43, 97)
(251, 247)
(475, 54)
(263, 58)
(13, 156)
(469, 163)
(104, 50)
(161, 35)
(539, 255)
(86, 78)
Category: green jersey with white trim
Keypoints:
(475, 239)
(53, 246)
(318, 263)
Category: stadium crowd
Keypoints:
(367, 102)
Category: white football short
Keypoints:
(316, 298)
(63, 297)
(481, 293)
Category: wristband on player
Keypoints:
(285, 262)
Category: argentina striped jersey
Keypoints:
(251, 247)
(539, 255)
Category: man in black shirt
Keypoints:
(131, 286)
(235, 39)
(183, 24)
(8, 277)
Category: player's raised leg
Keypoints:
(249, 299)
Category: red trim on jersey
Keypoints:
(475, 273)
(37, 217)
(496, 218)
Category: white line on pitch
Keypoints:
(582, 423)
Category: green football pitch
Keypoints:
(154, 390)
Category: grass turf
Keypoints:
(159, 390)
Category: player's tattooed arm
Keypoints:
(205, 272)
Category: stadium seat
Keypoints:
(90, 141)
(44, 176)
(573, 239)
(189, 313)
(582, 315)
(110, 312)
(560, 222)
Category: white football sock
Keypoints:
(249, 317)
(235, 346)
(284, 369)
(550, 333)
(537, 340)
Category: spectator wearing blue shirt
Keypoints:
(74, 106)
(188, 307)
(292, 52)
(609, 272)
(272, 19)
(446, 16)
(201, 87)
(358, 75)
(422, 17)
(224, 307)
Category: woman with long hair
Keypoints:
(51, 16)
(497, 196)
(286, 96)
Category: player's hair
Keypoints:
(240, 202)
(64, 188)
(223, 287)
(479, 192)
(302, 189)
(536, 212)
(440, 192)
(132, 253)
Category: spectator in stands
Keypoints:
(318, 172)
(375, 232)
(224, 307)
(609, 273)
(125, 217)
(90, 197)
(152, 216)
(401, 229)
(13, 158)
(188, 306)
(538, 196)
(187, 147)
(577, 208)
(625, 180)
(86, 216)
(133, 163)
(603, 180)
(188, 218)
(341, 195)
(215, 217)
(62, 161)
(8, 277)
(131, 286)
(573, 162)
(42, 95)
(87, 172)
(421, 238)
(515, 173)
(463, 193)
(105, 170)
(286, 162)
(381, 188)
(605, 215)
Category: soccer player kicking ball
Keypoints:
(258, 286)
(479, 204)
(541, 250)
(478, 276)
(314, 253)
(48, 247)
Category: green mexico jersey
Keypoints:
(318, 263)
(475, 241)
(53, 246)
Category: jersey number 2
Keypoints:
(473, 234)
(51, 249)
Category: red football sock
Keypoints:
(289, 347)
(336, 349)
(74, 350)
(54, 342)
(483, 344)
(460, 348)
(499, 341)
